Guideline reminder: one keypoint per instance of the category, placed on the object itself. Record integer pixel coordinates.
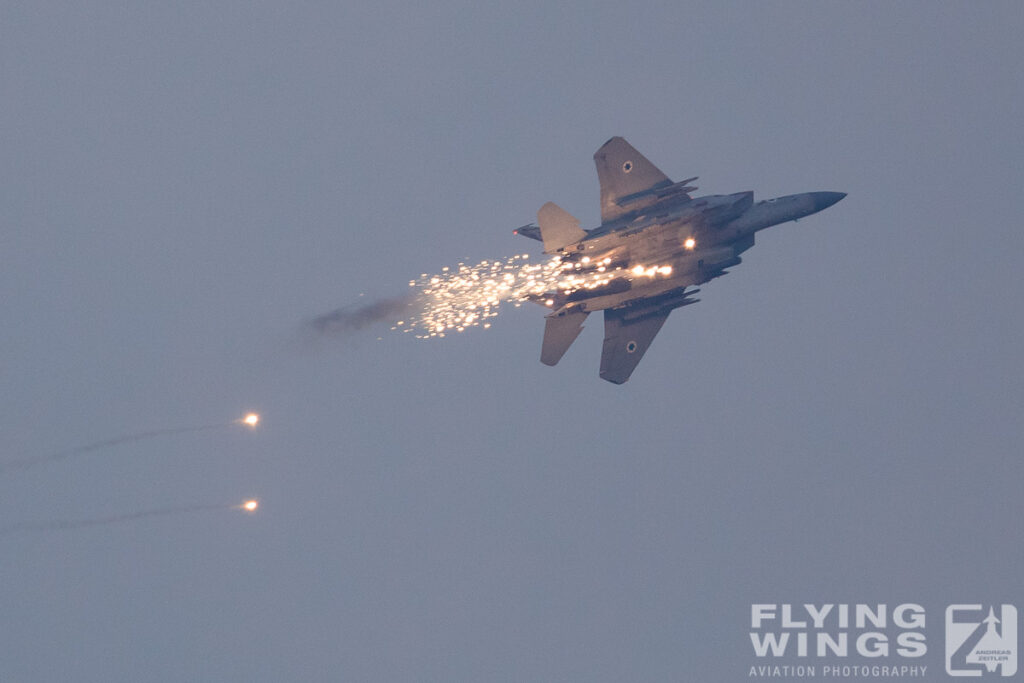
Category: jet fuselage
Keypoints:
(683, 241)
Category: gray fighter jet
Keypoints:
(655, 241)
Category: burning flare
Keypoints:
(66, 524)
(250, 420)
(469, 296)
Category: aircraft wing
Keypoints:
(622, 172)
(626, 341)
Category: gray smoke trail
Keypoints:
(35, 461)
(345, 321)
(58, 525)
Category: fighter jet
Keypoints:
(654, 243)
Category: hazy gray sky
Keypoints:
(183, 184)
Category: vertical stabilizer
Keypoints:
(558, 228)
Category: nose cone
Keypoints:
(823, 200)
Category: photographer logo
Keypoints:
(981, 641)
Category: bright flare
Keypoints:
(465, 296)
(250, 505)
(690, 243)
(252, 419)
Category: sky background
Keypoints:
(182, 185)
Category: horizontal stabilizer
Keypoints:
(558, 228)
(531, 231)
(560, 331)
